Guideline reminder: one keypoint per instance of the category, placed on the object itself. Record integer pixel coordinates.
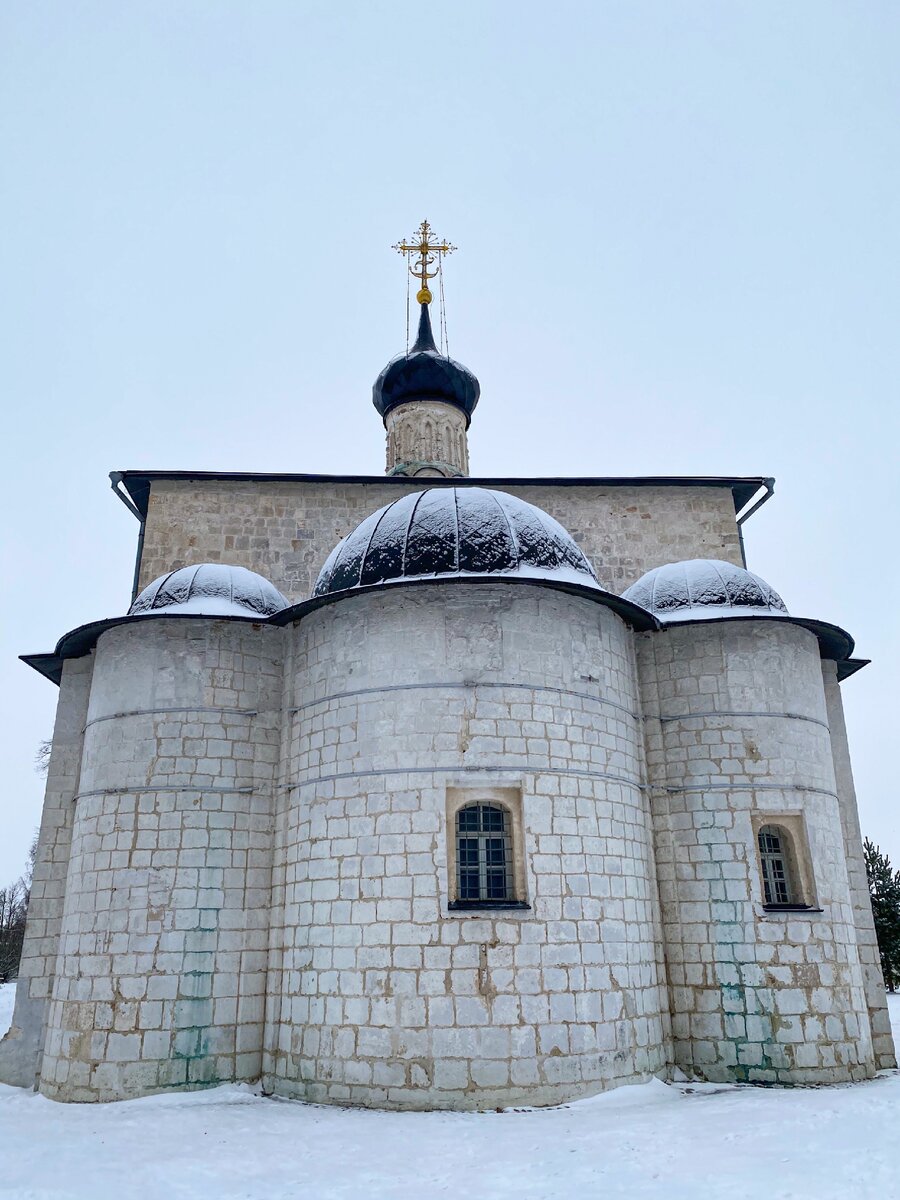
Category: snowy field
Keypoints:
(641, 1142)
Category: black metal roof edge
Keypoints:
(83, 639)
(635, 616)
(834, 642)
(743, 487)
(849, 666)
(48, 665)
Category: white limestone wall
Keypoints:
(160, 977)
(381, 994)
(21, 1049)
(736, 725)
(426, 438)
(867, 942)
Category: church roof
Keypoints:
(205, 590)
(536, 549)
(704, 590)
(133, 487)
(423, 373)
(704, 587)
(210, 590)
(455, 532)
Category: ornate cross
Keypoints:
(424, 250)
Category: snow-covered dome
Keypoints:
(212, 590)
(455, 532)
(701, 588)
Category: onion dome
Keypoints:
(425, 374)
(449, 532)
(210, 590)
(704, 588)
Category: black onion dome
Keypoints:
(425, 374)
(456, 532)
(701, 588)
(210, 589)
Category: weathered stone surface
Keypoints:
(245, 865)
(21, 1049)
(426, 438)
(736, 728)
(160, 978)
(866, 941)
(386, 996)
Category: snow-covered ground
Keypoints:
(641, 1142)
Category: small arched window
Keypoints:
(778, 874)
(484, 858)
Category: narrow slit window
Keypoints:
(484, 854)
(778, 887)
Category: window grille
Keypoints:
(484, 861)
(773, 854)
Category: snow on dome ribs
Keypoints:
(486, 542)
(432, 542)
(384, 558)
(209, 589)
(448, 531)
(701, 588)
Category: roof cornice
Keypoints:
(133, 487)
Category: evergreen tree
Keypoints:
(884, 889)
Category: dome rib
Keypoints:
(409, 523)
(495, 496)
(725, 584)
(456, 559)
(257, 583)
(153, 588)
(193, 580)
(375, 528)
(328, 566)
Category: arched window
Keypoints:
(484, 858)
(778, 874)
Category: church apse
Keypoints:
(451, 796)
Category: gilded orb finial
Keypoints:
(421, 255)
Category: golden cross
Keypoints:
(424, 250)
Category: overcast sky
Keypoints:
(678, 245)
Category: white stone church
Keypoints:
(427, 791)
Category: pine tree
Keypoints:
(884, 890)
